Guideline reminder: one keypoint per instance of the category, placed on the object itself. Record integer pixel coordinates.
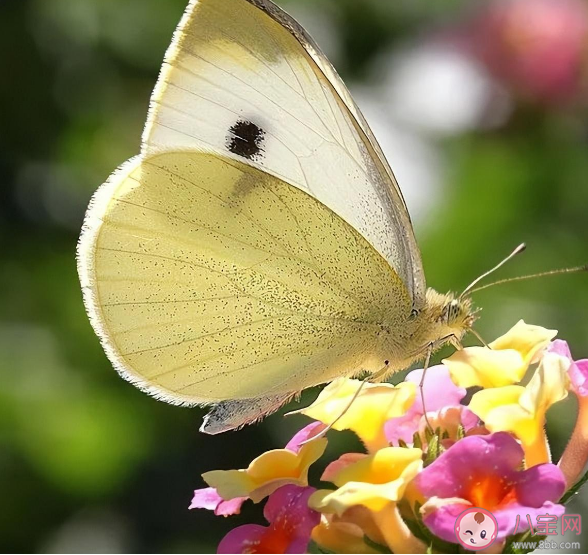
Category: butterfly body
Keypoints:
(259, 244)
(442, 319)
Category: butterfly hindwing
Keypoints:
(210, 280)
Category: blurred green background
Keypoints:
(483, 118)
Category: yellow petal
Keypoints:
(366, 416)
(505, 362)
(548, 385)
(398, 536)
(267, 472)
(372, 482)
(485, 401)
(501, 411)
(480, 366)
(338, 535)
(521, 410)
(526, 339)
(514, 419)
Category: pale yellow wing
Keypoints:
(243, 78)
(208, 279)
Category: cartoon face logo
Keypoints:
(476, 528)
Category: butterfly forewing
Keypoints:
(243, 79)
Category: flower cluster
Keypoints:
(428, 456)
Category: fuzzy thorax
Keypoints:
(443, 319)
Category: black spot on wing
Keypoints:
(245, 139)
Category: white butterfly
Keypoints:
(259, 244)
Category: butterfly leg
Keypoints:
(381, 374)
(479, 337)
(229, 415)
(324, 431)
(430, 348)
(376, 375)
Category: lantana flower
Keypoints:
(271, 470)
(504, 362)
(291, 522)
(484, 471)
(522, 410)
(366, 416)
(208, 498)
(377, 482)
(492, 453)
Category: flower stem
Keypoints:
(538, 451)
(394, 530)
(575, 456)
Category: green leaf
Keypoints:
(433, 450)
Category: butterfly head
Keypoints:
(448, 315)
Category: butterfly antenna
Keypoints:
(470, 287)
(533, 276)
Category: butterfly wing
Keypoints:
(243, 78)
(259, 244)
(209, 280)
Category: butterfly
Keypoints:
(259, 244)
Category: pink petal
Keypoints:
(442, 521)
(208, 498)
(403, 427)
(292, 502)
(468, 419)
(243, 539)
(578, 370)
(439, 390)
(561, 348)
(230, 507)
(291, 523)
(306, 433)
(507, 516)
(342, 462)
(551, 478)
(497, 454)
